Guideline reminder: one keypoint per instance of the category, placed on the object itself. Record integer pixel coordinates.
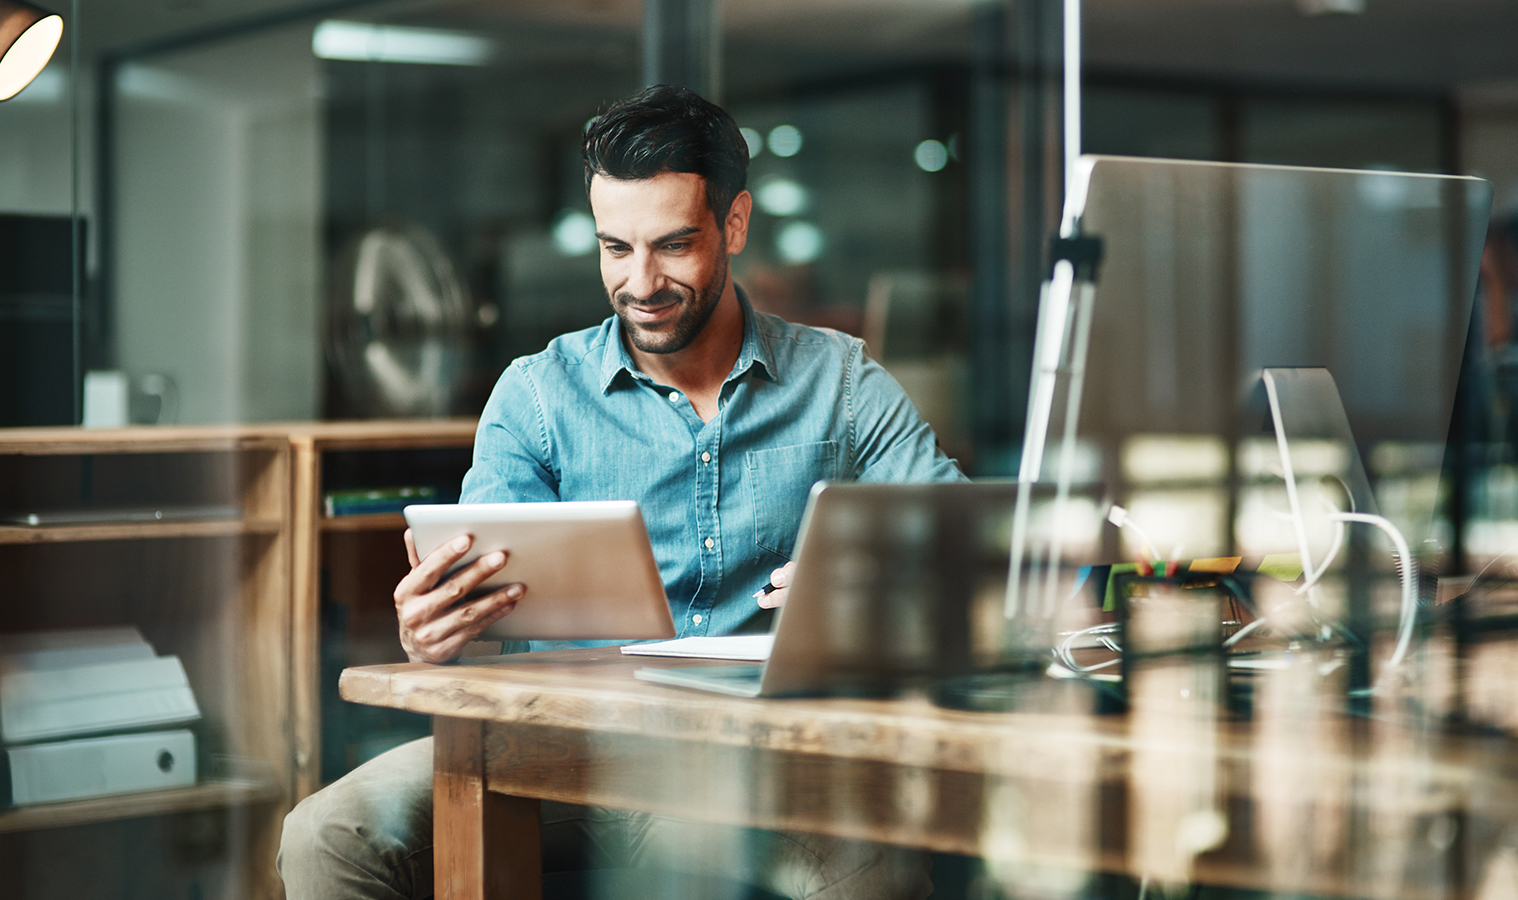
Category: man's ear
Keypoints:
(735, 228)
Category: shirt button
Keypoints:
(696, 619)
(674, 396)
(706, 457)
(710, 543)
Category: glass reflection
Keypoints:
(400, 117)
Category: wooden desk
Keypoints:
(1322, 806)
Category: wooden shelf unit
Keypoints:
(366, 522)
(214, 592)
(237, 598)
(127, 531)
(360, 555)
(209, 794)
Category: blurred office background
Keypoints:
(235, 164)
(230, 158)
(342, 209)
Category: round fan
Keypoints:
(397, 325)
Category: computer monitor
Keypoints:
(1210, 274)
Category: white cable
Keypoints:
(1409, 580)
(1334, 548)
(1328, 558)
(1239, 635)
(1119, 517)
(1065, 648)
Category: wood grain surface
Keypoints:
(1337, 807)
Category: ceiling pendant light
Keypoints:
(28, 37)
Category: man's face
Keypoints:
(663, 258)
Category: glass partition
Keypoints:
(259, 180)
(280, 220)
(369, 211)
(42, 255)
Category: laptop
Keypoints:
(890, 579)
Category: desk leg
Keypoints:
(485, 846)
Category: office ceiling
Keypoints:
(1430, 43)
(1433, 44)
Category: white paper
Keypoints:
(750, 647)
(38, 650)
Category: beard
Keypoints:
(696, 307)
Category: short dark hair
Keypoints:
(669, 129)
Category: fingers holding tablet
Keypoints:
(434, 624)
(589, 565)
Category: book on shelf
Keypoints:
(376, 500)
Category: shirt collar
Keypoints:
(754, 354)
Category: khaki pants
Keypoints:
(369, 835)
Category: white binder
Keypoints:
(79, 700)
(35, 650)
(96, 767)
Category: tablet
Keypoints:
(588, 566)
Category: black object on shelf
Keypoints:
(37, 345)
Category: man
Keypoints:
(717, 420)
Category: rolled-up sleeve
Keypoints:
(512, 452)
(889, 441)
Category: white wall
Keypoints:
(35, 147)
(218, 212)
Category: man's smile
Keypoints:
(650, 312)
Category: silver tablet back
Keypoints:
(588, 566)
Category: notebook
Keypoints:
(888, 577)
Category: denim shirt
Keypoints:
(722, 499)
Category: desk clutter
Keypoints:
(90, 713)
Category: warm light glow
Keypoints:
(26, 57)
(1156, 458)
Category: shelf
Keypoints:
(71, 440)
(368, 522)
(207, 795)
(358, 435)
(118, 531)
(419, 434)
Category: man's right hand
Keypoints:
(434, 625)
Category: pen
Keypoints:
(769, 588)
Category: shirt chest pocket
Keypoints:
(779, 480)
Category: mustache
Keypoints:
(661, 297)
